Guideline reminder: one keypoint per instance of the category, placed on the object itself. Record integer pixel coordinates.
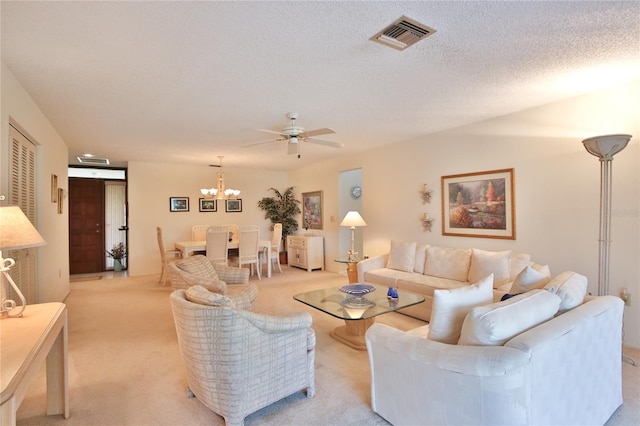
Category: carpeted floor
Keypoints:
(125, 367)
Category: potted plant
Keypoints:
(118, 253)
(282, 208)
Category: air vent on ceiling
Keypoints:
(403, 33)
(93, 160)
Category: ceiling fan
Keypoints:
(295, 134)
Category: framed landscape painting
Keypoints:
(312, 210)
(233, 206)
(207, 205)
(479, 205)
(179, 204)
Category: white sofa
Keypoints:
(421, 269)
(564, 371)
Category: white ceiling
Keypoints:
(189, 81)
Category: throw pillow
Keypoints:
(200, 295)
(519, 261)
(484, 263)
(448, 263)
(402, 256)
(528, 279)
(450, 307)
(570, 287)
(214, 286)
(497, 323)
(198, 265)
(421, 256)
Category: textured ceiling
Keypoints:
(189, 81)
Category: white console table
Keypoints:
(25, 344)
(306, 252)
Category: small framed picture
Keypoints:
(207, 205)
(54, 188)
(233, 206)
(179, 204)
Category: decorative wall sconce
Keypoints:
(425, 193)
(426, 222)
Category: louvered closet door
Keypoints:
(22, 192)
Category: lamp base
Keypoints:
(9, 305)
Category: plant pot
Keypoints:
(117, 265)
(283, 257)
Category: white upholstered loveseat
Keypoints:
(421, 268)
(564, 371)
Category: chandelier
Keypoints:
(220, 193)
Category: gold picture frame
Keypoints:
(479, 205)
(60, 199)
(54, 188)
(312, 210)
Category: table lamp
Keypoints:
(16, 232)
(353, 220)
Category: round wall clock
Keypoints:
(356, 192)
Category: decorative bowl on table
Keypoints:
(357, 289)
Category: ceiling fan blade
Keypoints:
(271, 131)
(316, 132)
(263, 142)
(325, 143)
(292, 148)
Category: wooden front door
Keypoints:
(86, 222)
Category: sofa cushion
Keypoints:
(484, 263)
(570, 287)
(450, 307)
(528, 279)
(496, 323)
(200, 295)
(198, 265)
(420, 258)
(402, 256)
(452, 263)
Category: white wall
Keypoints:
(556, 183)
(151, 185)
(53, 258)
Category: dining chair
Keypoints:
(248, 248)
(234, 233)
(166, 256)
(199, 232)
(218, 245)
(273, 251)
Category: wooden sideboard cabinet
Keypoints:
(306, 252)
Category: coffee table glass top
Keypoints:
(348, 307)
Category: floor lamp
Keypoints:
(16, 232)
(605, 147)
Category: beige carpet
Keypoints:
(125, 368)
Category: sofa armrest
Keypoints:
(232, 274)
(419, 381)
(376, 262)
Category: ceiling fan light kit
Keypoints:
(294, 134)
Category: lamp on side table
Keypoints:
(16, 232)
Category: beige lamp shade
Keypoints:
(16, 231)
(353, 219)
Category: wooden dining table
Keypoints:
(189, 247)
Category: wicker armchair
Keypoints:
(227, 280)
(238, 362)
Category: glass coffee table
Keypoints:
(358, 311)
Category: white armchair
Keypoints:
(243, 361)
